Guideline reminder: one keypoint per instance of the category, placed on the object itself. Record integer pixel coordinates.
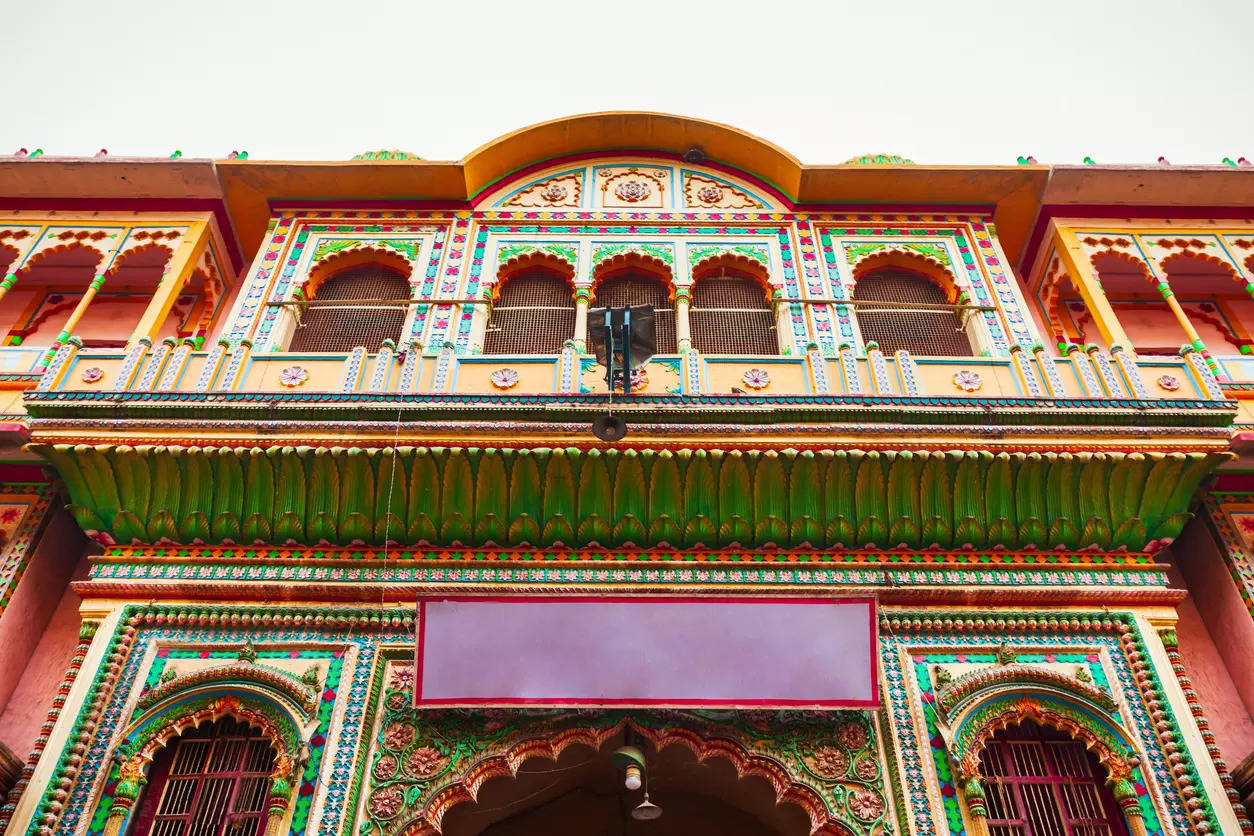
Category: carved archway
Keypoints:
(142, 254)
(929, 268)
(1170, 264)
(428, 763)
(734, 264)
(346, 259)
(974, 707)
(633, 261)
(268, 699)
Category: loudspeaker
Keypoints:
(609, 428)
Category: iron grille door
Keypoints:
(212, 781)
(730, 315)
(936, 333)
(1041, 782)
(534, 314)
(628, 289)
(343, 329)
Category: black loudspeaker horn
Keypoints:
(609, 428)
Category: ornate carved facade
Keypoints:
(242, 441)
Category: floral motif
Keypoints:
(424, 761)
(830, 762)
(852, 736)
(709, 194)
(554, 192)
(386, 803)
(385, 769)
(866, 769)
(633, 191)
(866, 804)
(968, 381)
(639, 380)
(398, 736)
(1169, 382)
(402, 678)
(756, 378)
(92, 374)
(504, 378)
(293, 376)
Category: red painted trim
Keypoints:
(379, 205)
(873, 625)
(1117, 210)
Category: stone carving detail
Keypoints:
(707, 193)
(633, 191)
(630, 186)
(563, 190)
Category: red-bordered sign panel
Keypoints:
(647, 651)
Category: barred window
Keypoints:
(731, 315)
(368, 321)
(1042, 782)
(920, 331)
(212, 781)
(627, 289)
(534, 314)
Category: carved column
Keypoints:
(130, 782)
(973, 794)
(1084, 277)
(683, 331)
(178, 271)
(583, 298)
(1125, 796)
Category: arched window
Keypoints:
(212, 781)
(1042, 782)
(533, 314)
(731, 315)
(919, 330)
(366, 323)
(631, 288)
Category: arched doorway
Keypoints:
(213, 780)
(582, 792)
(1039, 781)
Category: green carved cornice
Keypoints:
(613, 497)
(407, 248)
(663, 253)
(756, 253)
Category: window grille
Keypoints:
(343, 329)
(627, 289)
(534, 314)
(212, 781)
(921, 332)
(730, 315)
(1041, 782)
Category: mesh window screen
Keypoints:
(535, 314)
(730, 315)
(921, 332)
(636, 289)
(343, 329)
(1042, 782)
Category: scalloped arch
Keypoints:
(121, 261)
(788, 790)
(632, 260)
(535, 259)
(929, 268)
(1166, 264)
(739, 265)
(37, 258)
(1139, 265)
(8, 256)
(262, 676)
(338, 262)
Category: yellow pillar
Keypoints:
(1080, 269)
(683, 330)
(582, 301)
(173, 279)
(81, 308)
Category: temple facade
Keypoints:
(304, 526)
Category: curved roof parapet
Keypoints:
(630, 131)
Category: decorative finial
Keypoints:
(1090, 161)
(237, 155)
(21, 152)
(103, 152)
(1028, 160)
(1164, 161)
(177, 153)
(1229, 161)
(1244, 163)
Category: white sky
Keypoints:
(939, 82)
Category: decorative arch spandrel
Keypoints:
(425, 762)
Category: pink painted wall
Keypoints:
(1215, 634)
(27, 707)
